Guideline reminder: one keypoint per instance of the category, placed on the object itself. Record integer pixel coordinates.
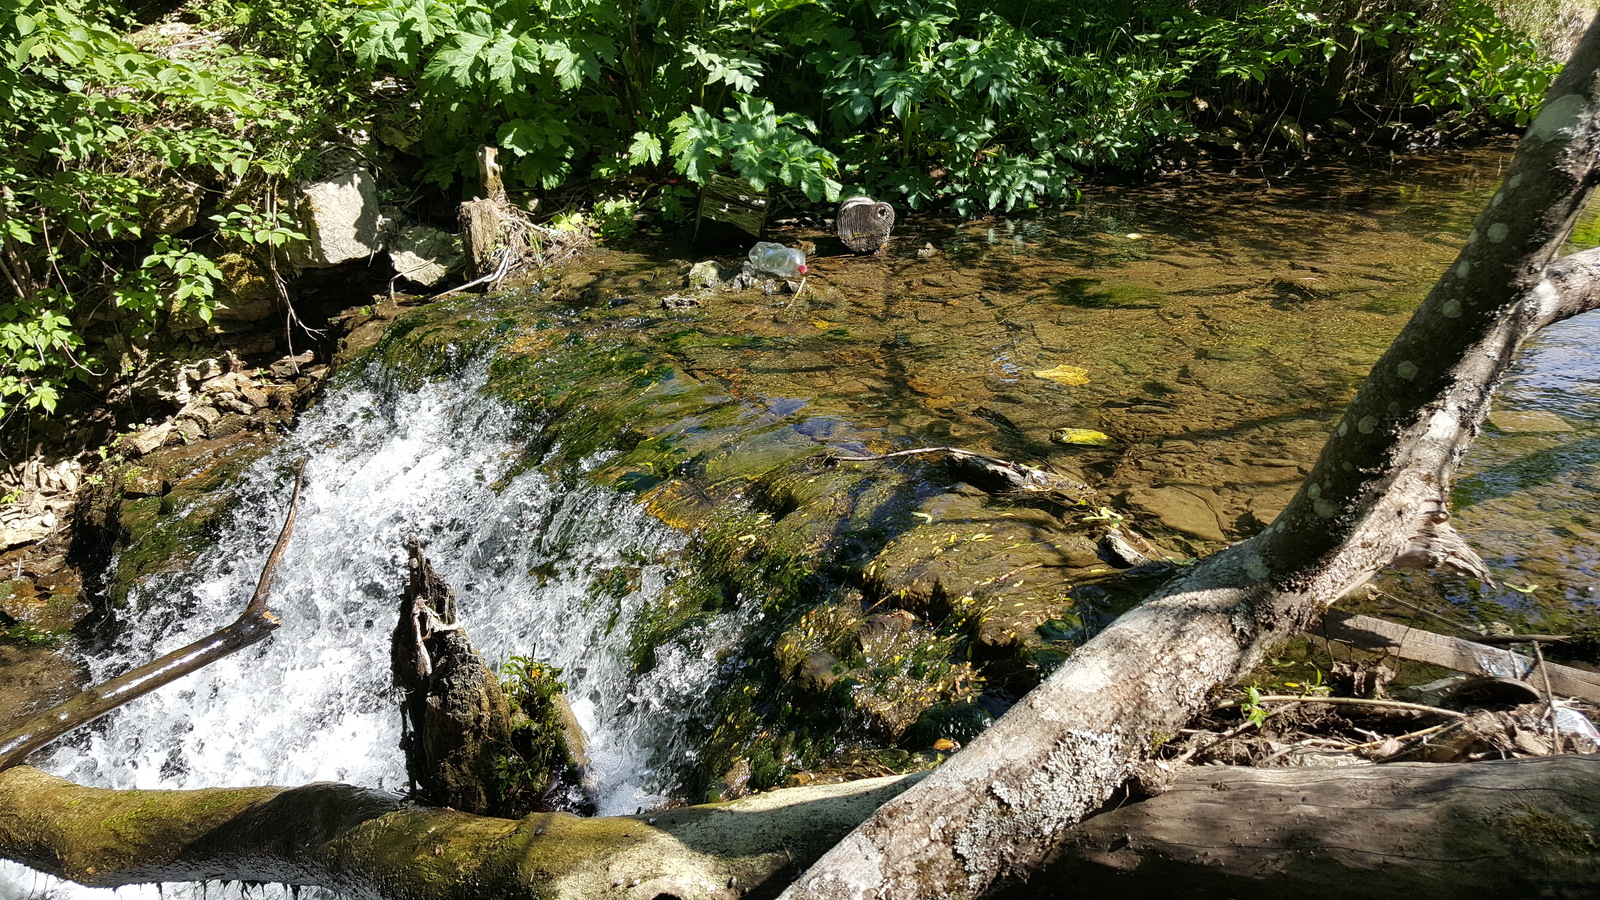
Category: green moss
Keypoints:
(1535, 829)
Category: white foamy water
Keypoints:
(314, 701)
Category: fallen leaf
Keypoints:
(1065, 374)
(1085, 436)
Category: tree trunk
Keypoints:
(1378, 496)
(483, 227)
(457, 720)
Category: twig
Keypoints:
(499, 272)
(1230, 734)
(1347, 701)
(1549, 699)
(921, 451)
(1409, 736)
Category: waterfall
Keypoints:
(314, 702)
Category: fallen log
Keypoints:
(252, 626)
(371, 844)
(1413, 831)
(1512, 828)
(1418, 645)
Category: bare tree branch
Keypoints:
(252, 626)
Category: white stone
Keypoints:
(340, 216)
(424, 255)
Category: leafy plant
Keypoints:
(536, 761)
(107, 133)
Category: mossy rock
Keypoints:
(149, 533)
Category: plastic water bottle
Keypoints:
(776, 259)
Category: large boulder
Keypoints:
(340, 216)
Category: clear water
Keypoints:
(314, 702)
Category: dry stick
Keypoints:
(253, 625)
(1348, 701)
(922, 451)
(499, 272)
(1549, 699)
(1409, 736)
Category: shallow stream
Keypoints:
(1220, 326)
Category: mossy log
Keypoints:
(371, 844)
(1413, 831)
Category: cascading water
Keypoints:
(314, 702)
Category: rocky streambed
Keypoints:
(1178, 352)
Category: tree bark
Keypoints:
(1377, 496)
(371, 844)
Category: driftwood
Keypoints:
(1474, 658)
(1513, 828)
(864, 225)
(252, 626)
(456, 717)
(1378, 496)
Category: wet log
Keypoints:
(1512, 828)
(252, 626)
(1378, 496)
(371, 844)
(1412, 831)
(864, 224)
(457, 721)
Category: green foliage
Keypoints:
(536, 758)
(105, 127)
(1471, 61)
(973, 106)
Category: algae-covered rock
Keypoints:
(152, 516)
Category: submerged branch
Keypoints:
(253, 625)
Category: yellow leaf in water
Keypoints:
(1065, 374)
(821, 324)
(1086, 436)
